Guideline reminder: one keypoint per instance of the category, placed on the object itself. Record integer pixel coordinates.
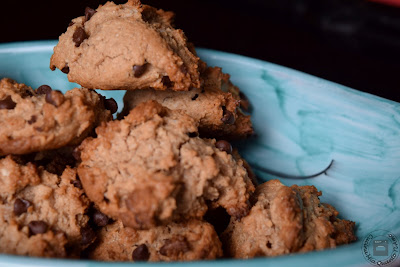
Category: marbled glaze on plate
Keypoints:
(302, 123)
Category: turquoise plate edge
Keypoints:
(271, 76)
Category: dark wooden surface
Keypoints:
(355, 43)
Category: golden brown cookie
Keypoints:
(42, 119)
(216, 105)
(150, 168)
(246, 165)
(285, 220)
(42, 214)
(128, 46)
(188, 241)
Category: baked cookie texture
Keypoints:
(42, 214)
(187, 241)
(246, 165)
(128, 46)
(216, 105)
(42, 119)
(285, 220)
(150, 169)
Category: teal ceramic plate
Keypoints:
(302, 123)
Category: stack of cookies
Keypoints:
(159, 183)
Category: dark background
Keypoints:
(352, 42)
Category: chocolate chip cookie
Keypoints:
(42, 214)
(150, 168)
(42, 119)
(188, 241)
(128, 46)
(285, 220)
(216, 105)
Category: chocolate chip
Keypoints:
(32, 120)
(7, 103)
(88, 235)
(26, 93)
(21, 206)
(224, 146)
(79, 36)
(183, 69)
(141, 253)
(111, 105)
(77, 184)
(174, 246)
(38, 227)
(100, 219)
(65, 69)
(195, 97)
(227, 116)
(166, 81)
(89, 12)
(139, 70)
(56, 98)
(43, 89)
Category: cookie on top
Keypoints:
(128, 46)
